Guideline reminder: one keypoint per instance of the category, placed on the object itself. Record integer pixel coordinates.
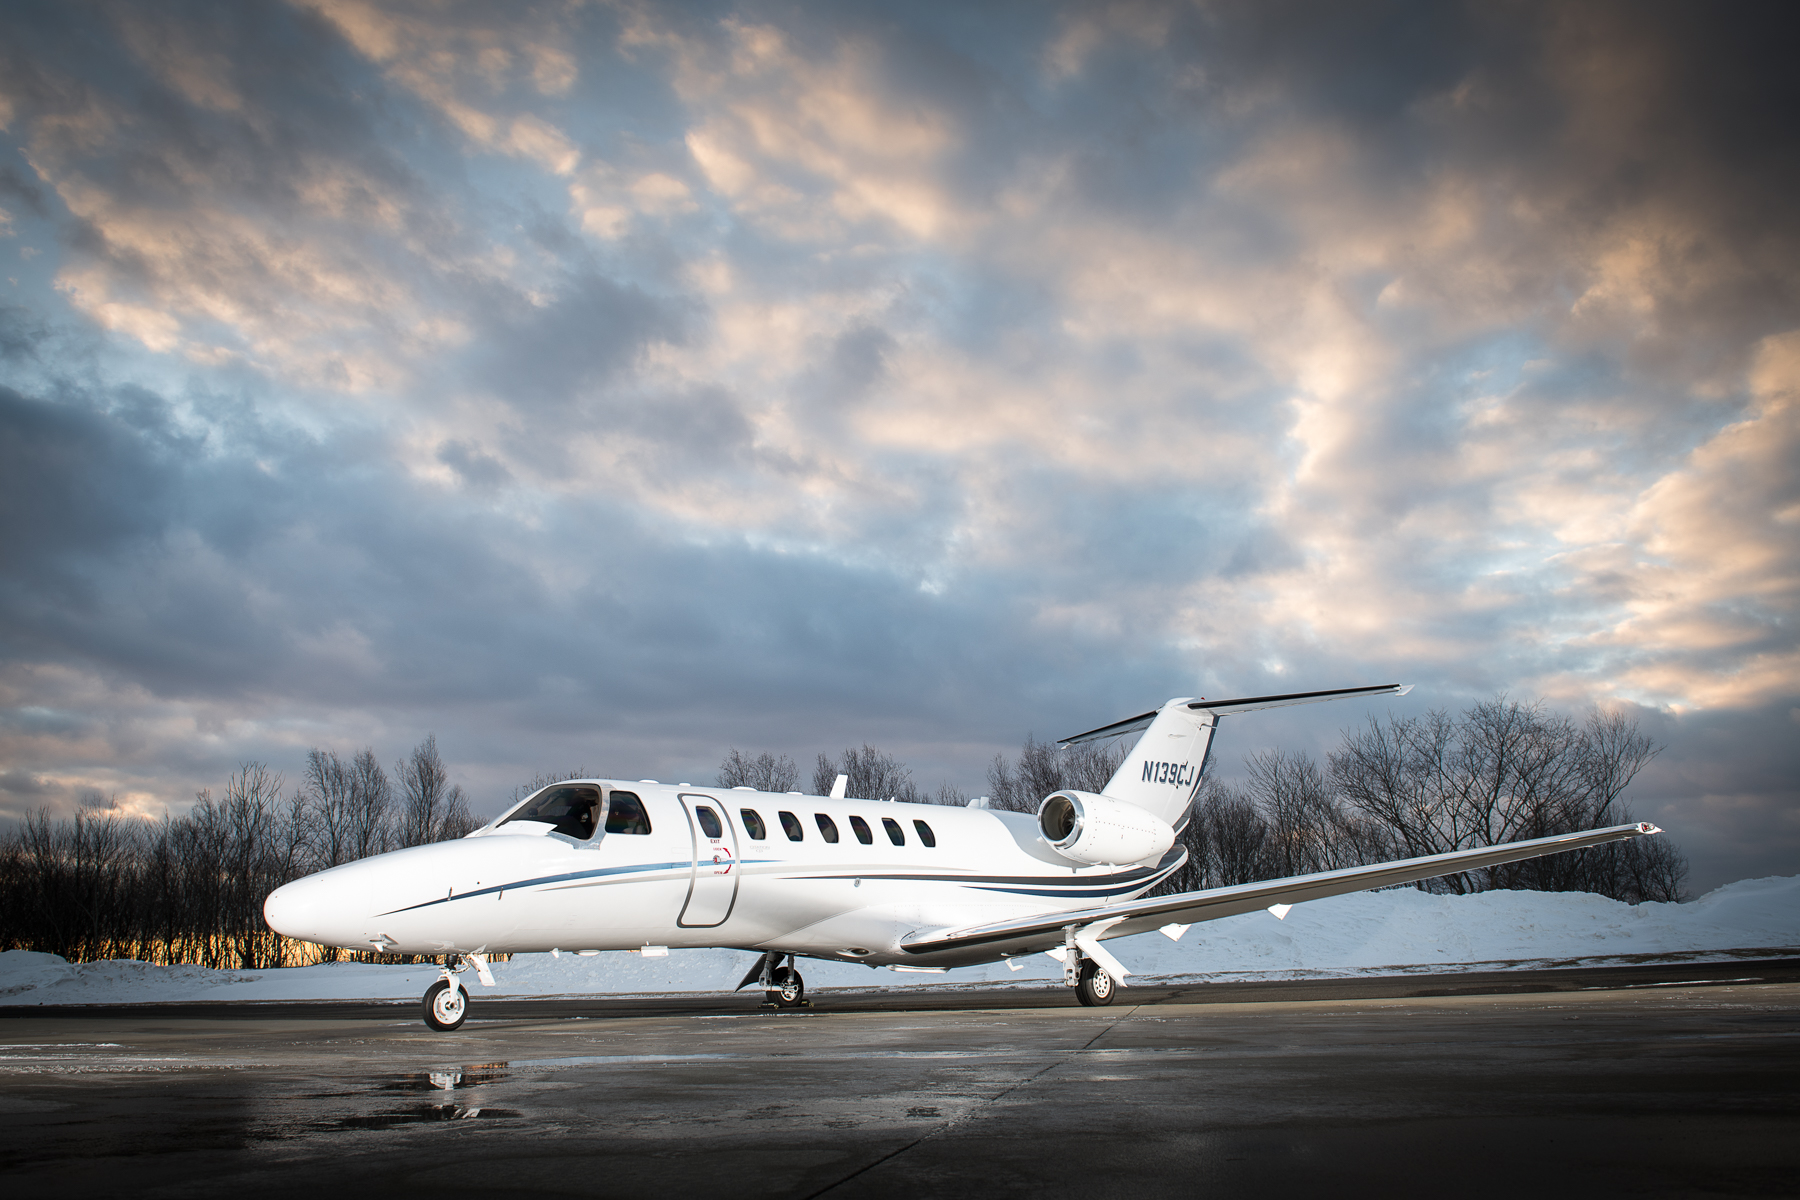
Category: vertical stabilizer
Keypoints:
(1162, 773)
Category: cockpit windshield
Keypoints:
(569, 810)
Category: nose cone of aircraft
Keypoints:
(329, 908)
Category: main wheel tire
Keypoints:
(1095, 988)
(445, 1007)
(789, 990)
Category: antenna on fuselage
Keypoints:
(837, 789)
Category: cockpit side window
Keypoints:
(625, 814)
(791, 824)
(862, 830)
(570, 811)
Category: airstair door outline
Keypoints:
(712, 890)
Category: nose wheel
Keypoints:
(446, 1005)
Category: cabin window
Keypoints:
(862, 830)
(709, 821)
(893, 831)
(790, 825)
(753, 823)
(625, 814)
(925, 834)
(570, 811)
(827, 827)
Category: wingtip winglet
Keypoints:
(1403, 689)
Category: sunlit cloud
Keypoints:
(556, 377)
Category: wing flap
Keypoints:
(1140, 916)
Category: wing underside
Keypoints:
(1025, 935)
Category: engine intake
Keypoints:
(1099, 830)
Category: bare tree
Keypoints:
(328, 798)
(873, 775)
(432, 809)
(371, 798)
(948, 794)
(1043, 768)
(1236, 839)
(765, 772)
(543, 779)
(1504, 771)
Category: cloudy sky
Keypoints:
(610, 384)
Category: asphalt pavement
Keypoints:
(1647, 1080)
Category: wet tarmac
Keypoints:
(1671, 1080)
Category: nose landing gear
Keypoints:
(446, 1005)
(446, 1001)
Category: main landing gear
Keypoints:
(1093, 986)
(789, 990)
(782, 986)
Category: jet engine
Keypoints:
(1100, 830)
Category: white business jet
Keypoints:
(603, 864)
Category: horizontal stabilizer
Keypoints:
(1026, 934)
(1245, 704)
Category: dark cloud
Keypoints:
(564, 351)
(476, 469)
(14, 186)
(75, 486)
(20, 333)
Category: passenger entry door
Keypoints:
(713, 887)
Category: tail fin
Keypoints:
(1162, 773)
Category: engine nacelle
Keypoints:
(1100, 830)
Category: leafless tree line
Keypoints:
(1402, 787)
(190, 888)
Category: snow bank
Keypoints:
(1364, 933)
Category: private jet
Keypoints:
(588, 865)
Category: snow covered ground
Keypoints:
(1366, 933)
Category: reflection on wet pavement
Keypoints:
(416, 1114)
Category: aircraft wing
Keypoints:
(1028, 934)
